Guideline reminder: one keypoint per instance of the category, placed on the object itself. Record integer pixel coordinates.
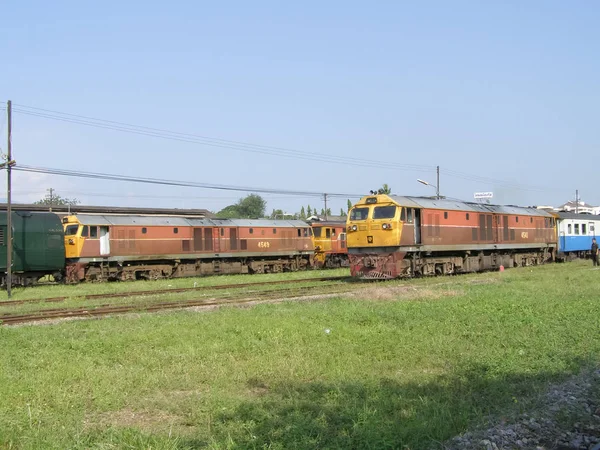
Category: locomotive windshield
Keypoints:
(359, 214)
(71, 230)
(384, 212)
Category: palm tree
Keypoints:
(385, 189)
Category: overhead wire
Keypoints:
(255, 148)
(214, 142)
(163, 182)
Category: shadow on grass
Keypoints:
(380, 415)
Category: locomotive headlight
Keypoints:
(71, 242)
(354, 228)
(384, 226)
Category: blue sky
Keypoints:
(502, 96)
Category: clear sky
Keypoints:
(503, 96)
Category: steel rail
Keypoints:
(165, 291)
(103, 310)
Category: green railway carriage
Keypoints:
(38, 247)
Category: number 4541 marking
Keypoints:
(264, 244)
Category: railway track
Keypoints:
(167, 291)
(105, 310)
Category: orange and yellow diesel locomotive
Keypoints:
(391, 236)
(102, 247)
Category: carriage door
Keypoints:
(591, 229)
(208, 239)
(104, 241)
(417, 226)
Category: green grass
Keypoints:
(405, 365)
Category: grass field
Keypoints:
(404, 365)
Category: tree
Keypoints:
(308, 211)
(385, 189)
(302, 213)
(277, 214)
(349, 205)
(250, 207)
(53, 199)
(342, 212)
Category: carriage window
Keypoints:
(445, 214)
(144, 230)
(93, 232)
(327, 232)
(403, 215)
(307, 232)
(222, 231)
(359, 214)
(251, 230)
(569, 229)
(531, 220)
(583, 229)
(176, 230)
(384, 212)
(274, 230)
(299, 232)
(317, 232)
(576, 228)
(85, 231)
(409, 216)
(467, 216)
(517, 218)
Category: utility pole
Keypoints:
(51, 198)
(9, 163)
(577, 201)
(437, 185)
(325, 199)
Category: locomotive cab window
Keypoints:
(359, 214)
(409, 215)
(274, 230)
(299, 232)
(85, 231)
(94, 232)
(445, 214)
(251, 230)
(403, 215)
(317, 232)
(176, 230)
(327, 232)
(71, 230)
(144, 230)
(384, 212)
(467, 216)
(517, 219)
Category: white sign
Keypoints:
(479, 195)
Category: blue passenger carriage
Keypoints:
(575, 234)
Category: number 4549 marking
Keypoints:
(264, 244)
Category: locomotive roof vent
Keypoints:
(371, 200)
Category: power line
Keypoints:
(254, 148)
(213, 142)
(157, 181)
